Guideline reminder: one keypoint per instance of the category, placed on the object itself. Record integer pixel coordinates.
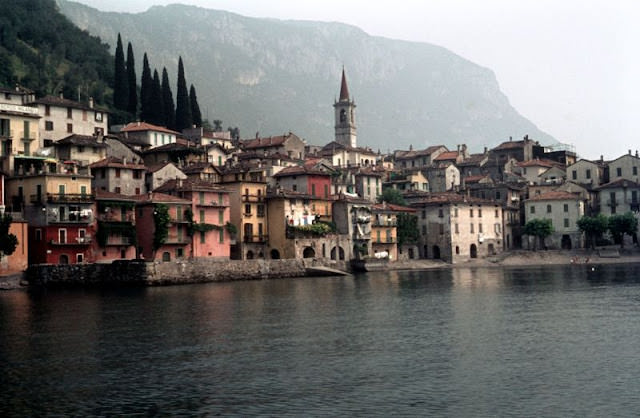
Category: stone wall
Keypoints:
(140, 273)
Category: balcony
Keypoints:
(116, 217)
(176, 240)
(256, 239)
(212, 204)
(385, 222)
(390, 240)
(86, 240)
(73, 217)
(251, 198)
(69, 198)
(119, 241)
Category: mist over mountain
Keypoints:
(273, 76)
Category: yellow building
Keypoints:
(18, 126)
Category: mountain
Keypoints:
(42, 50)
(272, 76)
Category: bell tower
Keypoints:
(345, 116)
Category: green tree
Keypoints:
(132, 106)
(161, 220)
(619, 225)
(156, 102)
(393, 196)
(183, 107)
(539, 228)
(407, 229)
(196, 116)
(167, 102)
(8, 242)
(593, 227)
(146, 90)
(120, 82)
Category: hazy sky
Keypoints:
(572, 67)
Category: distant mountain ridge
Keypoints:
(272, 76)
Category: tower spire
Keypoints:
(344, 90)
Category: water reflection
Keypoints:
(456, 342)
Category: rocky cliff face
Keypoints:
(272, 76)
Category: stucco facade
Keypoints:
(563, 209)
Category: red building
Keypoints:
(115, 236)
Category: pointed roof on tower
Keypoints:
(344, 90)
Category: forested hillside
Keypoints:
(42, 50)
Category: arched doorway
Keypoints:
(63, 259)
(474, 251)
(566, 242)
(435, 251)
(308, 253)
(340, 253)
(491, 249)
(275, 254)
(166, 256)
(334, 252)
(411, 255)
(249, 255)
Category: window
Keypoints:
(497, 194)
(566, 222)
(221, 235)
(69, 113)
(635, 170)
(48, 125)
(378, 235)
(5, 127)
(588, 173)
(98, 116)
(117, 173)
(456, 228)
(38, 234)
(313, 189)
(440, 213)
(480, 228)
(62, 236)
(260, 210)
(137, 190)
(201, 216)
(497, 227)
(179, 252)
(471, 228)
(548, 208)
(532, 209)
(79, 258)
(455, 212)
(566, 207)
(84, 115)
(201, 197)
(247, 209)
(80, 148)
(117, 190)
(103, 173)
(574, 174)
(496, 213)
(424, 230)
(137, 174)
(70, 128)
(202, 238)
(326, 190)
(220, 199)
(619, 171)
(441, 229)
(295, 187)
(479, 213)
(47, 110)
(471, 213)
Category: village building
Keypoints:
(455, 227)
(564, 210)
(531, 170)
(202, 171)
(288, 144)
(384, 229)
(352, 217)
(115, 236)
(587, 172)
(208, 216)
(217, 154)
(292, 216)
(19, 133)
(156, 240)
(177, 153)
(418, 159)
(205, 137)
(443, 177)
(81, 149)
(63, 117)
(149, 135)
(408, 179)
(118, 176)
(159, 173)
(625, 167)
(55, 199)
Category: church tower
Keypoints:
(345, 116)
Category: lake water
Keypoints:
(541, 341)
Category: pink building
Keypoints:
(115, 237)
(157, 239)
(210, 214)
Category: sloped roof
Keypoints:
(82, 140)
(155, 197)
(538, 163)
(556, 195)
(61, 102)
(100, 194)
(117, 163)
(344, 90)
(300, 171)
(145, 126)
(618, 184)
(190, 185)
(272, 141)
(449, 155)
(390, 207)
(451, 197)
(405, 155)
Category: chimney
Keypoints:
(91, 102)
(486, 150)
(61, 95)
(636, 153)
(629, 152)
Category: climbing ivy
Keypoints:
(8, 242)
(161, 221)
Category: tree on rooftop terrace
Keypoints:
(393, 196)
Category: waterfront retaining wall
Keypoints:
(141, 273)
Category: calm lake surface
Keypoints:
(541, 341)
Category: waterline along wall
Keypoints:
(141, 273)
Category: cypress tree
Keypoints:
(146, 88)
(157, 108)
(167, 101)
(196, 116)
(120, 82)
(132, 106)
(183, 107)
